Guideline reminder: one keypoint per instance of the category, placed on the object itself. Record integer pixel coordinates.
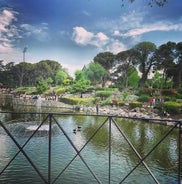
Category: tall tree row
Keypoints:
(145, 57)
(27, 74)
(124, 69)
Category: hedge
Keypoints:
(76, 101)
(172, 107)
(135, 104)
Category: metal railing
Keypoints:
(108, 120)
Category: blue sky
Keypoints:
(73, 32)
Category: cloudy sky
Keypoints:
(73, 32)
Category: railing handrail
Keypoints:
(110, 118)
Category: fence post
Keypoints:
(49, 151)
(180, 153)
(110, 119)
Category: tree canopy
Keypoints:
(150, 3)
(124, 69)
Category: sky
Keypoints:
(73, 32)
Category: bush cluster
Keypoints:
(133, 105)
(77, 101)
(172, 107)
(103, 94)
(144, 98)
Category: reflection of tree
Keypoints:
(101, 138)
(144, 141)
(143, 136)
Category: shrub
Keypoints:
(77, 101)
(172, 107)
(121, 103)
(60, 90)
(106, 102)
(179, 100)
(179, 95)
(144, 98)
(135, 104)
(103, 94)
(26, 90)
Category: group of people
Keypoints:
(153, 101)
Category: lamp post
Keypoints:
(24, 50)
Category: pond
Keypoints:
(67, 168)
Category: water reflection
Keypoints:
(163, 161)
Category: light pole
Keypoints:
(24, 50)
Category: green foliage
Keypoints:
(125, 95)
(77, 101)
(151, 3)
(179, 95)
(179, 100)
(106, 102)
(81, 86)
(60, 90)
(41, 85)
(95, 73)
(49, 80)
(172, 107)
(80, 75)
(158, 81)
(105, 59)
(26, 90)
(144, 98)
(133, 79)
(60, 77)
(135, 104)
(144, 59)
(103, 94)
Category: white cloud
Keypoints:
(6, 18)
(82, 36)
(116, 46)
(134, 24)
(8, 31)
(86, 13)
(37, 32)
(153, 27)
(100, 40)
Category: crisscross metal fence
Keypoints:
(109, 121)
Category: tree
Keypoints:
(8, 77)
(41, 85)
(133, 77)
(81, 86)
(124, 60)
(96, 73)
(144, 59)
(47, 68)
(60, 77)
(150, 3)
(165, 56)
(105, 59)
(80, 74)
(178, 77)
(22, 73)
